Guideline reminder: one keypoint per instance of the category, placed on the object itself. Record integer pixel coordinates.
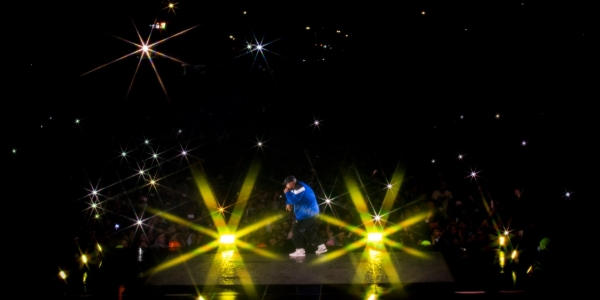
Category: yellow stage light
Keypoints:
(375, 237)
(227, 239)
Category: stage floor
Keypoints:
(369, 267)
(360, 274)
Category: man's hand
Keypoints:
(288, 207)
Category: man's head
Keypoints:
(437, 231)
(290, 182)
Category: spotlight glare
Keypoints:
(389, 186)
(327, 201)
(227, 239)
(375, 237)
(62, 275)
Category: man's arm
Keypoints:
(293, 196)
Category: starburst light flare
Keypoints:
(146, 51)
(473, 174)
(171, 6)
(256, 48)
(568, 195)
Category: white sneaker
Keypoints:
(321, 249)
(298, 253)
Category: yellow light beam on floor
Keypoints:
(404, 224)
(391, 194)
(255, 226)
(259, 251)
(184, 257)
(406, 249)
(182, 221)
(209, 198)
(359, 201)
(245, 193)
(340, 223)
(329, 256)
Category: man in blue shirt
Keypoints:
(301, 198)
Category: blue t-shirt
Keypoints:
(304, 201)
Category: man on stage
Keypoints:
(301, 198)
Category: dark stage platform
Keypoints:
(363, 274)
(369, 267)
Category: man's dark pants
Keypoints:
(305, 228)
